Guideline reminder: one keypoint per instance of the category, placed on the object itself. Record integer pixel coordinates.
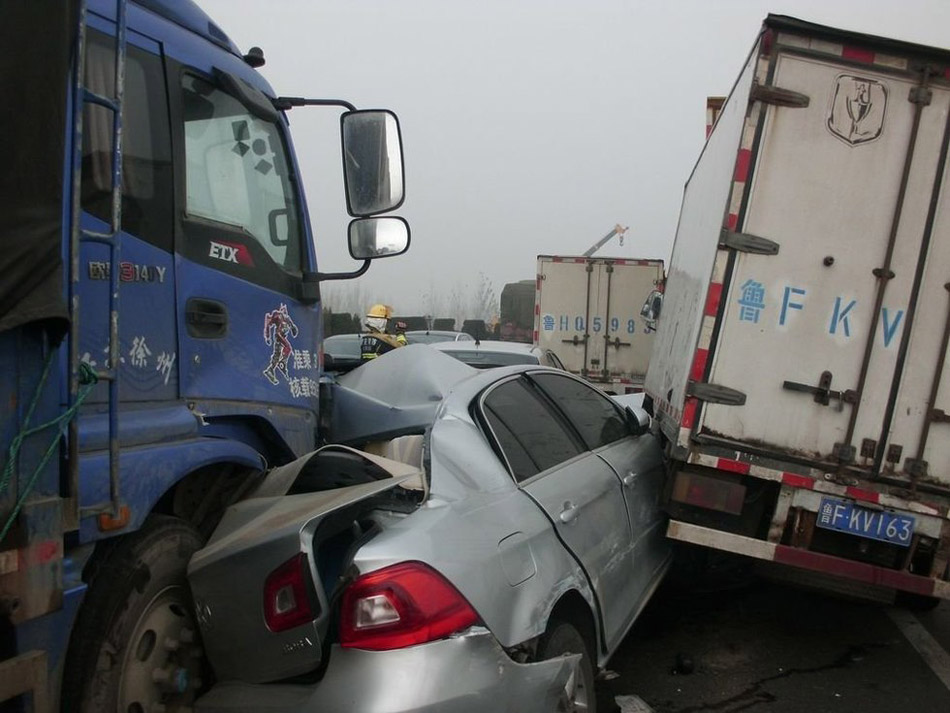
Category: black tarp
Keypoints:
(37, 37)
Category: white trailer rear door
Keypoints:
(825, 186)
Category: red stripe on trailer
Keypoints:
(698, 370)
(857, 54)
(580, 260)
(734, 466)
(743, 161)
(798, 481)
(557, 259)
(713, 295)
(537, 283)
(689, 413)
(536, 336)
(537, 309)
(866, 495)
(732, 221)
(859, 571)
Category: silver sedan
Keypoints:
(481, 541)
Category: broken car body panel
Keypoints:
(472, 523)
(469, 673)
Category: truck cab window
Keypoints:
(146, 143)
(237, 174)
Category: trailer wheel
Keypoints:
(562, 638)
(135, 647)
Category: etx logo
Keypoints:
(229, 252)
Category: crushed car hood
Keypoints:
(394, 394)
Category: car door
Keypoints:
(578, 491)
(635, 460)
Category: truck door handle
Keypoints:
(206, 319)
(568, 512)
(629, 479)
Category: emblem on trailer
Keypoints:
(857, 109)
(277, 325)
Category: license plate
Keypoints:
(845, 516)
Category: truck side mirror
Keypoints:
(651, 309)
(372, 162)
(378, 237)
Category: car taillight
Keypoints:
(401, 605)
(286, 603)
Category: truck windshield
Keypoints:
(237, 171)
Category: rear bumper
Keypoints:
(466, 673)
(796, 557)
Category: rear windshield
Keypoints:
(485, 360)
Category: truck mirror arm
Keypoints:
(310, 285)
(286, 103)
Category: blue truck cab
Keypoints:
(160, 329)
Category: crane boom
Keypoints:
(616, 230)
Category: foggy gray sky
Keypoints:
(529, 127)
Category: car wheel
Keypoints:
(562, 638)
(135, 646)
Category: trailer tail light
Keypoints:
(402, 605)
(286, 602)
(710, 493)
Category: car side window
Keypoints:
(531, 435)
(598, 419)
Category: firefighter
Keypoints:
(375, 340)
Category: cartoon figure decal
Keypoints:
(277, 325)
(857, 109)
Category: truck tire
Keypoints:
(135, 646)
(563, 638)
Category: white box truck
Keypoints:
(799, 374)
(587, 311)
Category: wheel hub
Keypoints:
(161, 669)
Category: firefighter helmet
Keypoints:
(380, 311)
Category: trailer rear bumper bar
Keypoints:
(803, 559)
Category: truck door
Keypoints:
(799, 328)
(247, 341)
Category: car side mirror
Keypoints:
(638, 420)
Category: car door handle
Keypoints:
(568, 512)
(629, 479)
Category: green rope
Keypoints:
(87, 380)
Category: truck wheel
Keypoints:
(562, 638)
(135, 646)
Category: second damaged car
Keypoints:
(480, 540)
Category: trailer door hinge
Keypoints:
(747, 243)
(939, 416)
(778, 96)
(715, 394)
